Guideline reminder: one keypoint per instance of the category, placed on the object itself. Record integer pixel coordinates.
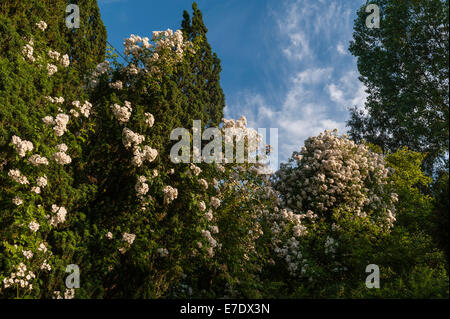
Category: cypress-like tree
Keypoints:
(200, 77)
(85, 47)
(175, 94)
(27, 92)
(192, 91)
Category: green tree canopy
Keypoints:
(404, 65)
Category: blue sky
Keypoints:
(285, 63)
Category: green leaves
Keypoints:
(404, 65)
(206, 231)
(412, 185)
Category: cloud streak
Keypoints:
(319, 77)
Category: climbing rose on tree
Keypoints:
(332, 171)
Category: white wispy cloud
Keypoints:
(341, 49)
(300, 115)
(348, 91)
(319, 85)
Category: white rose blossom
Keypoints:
(62, 158)
(60, 215)
(17, 176)
(122, 113)
(170, 194)
(33, 226)
(37, 160)
(41, 25)
(129, 238)
(42, 181)
(149, 119)
(22, 146)
(65, 61)
(51, 69)
(17, 201)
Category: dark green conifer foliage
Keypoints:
(192, 92)
(441, 211)
(200, 77)
(85, 45)
(24, 86)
